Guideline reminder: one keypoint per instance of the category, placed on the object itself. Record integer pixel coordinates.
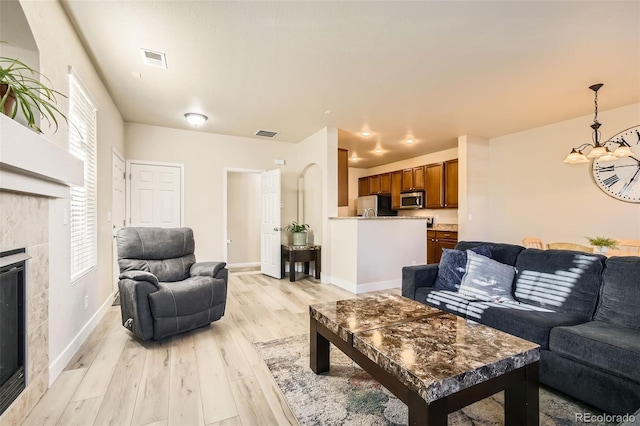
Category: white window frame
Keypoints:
(83, 134)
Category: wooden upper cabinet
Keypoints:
(363, 187)
(451, 183)
(413, 179)
(343, 177)
(385, 183)
(407, 180)
(374, 184)
(380, 184)
(396, 189)
(434, 186)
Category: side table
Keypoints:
(305, 254)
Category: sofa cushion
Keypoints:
(620, 294)
(560, 280)
(525, 321)
(449, 301)
(503, 253)
(487, 279)
(605, 346)
(187, 297)
(453, 265)
(175, 269)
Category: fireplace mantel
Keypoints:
(31, 164)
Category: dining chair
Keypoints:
(532, 242)
(570, 246)
(625, 248)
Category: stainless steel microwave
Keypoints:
(412, 200)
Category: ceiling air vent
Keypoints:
(266, 133)
(155, 59)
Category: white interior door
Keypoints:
(270, 225)
(118, 209)
(155, 196)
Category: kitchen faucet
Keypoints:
(365, 213)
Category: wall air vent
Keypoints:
(267, 133)
(155, 59)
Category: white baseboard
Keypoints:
(58, 365)
(243, 265)
(363, 288)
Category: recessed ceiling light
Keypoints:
(365, 133)
(328, 112)
(136, 74)
(195, 118)
(409, 141)
(379, 151)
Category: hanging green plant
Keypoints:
(22, 90)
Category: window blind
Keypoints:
(84, 203)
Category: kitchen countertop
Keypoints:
(378, 217)
(451, 227)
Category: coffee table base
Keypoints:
(520, 386)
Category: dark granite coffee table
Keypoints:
(433, 361)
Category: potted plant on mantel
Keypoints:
(22, 90)
(299, 232)
(602, 243)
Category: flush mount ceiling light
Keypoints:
(195, 118)
(599, 150)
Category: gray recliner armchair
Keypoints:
(163, 290)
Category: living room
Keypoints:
(512, 185)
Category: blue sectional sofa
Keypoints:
(582, 309)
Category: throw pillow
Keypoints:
(453, 265)
(487, 279)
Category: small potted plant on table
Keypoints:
(299, 232)
(602, 243)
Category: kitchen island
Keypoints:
(368, 253)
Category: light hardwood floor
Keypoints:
(209, 376)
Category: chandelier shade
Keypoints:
(598, 150)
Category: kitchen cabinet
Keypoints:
(343, 177)
(437, 241)
(451, 183)
(441, 183)
(380, 184)
(413, 179)
(363, 187)
(434, 186)
(396, 189)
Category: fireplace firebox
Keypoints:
(12, 326)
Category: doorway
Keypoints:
(244, 214)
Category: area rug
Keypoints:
(347, 395)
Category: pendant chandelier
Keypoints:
(599, 150)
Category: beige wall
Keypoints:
(473, 188)
(205, 157)
(533, 193)
(320, 149)
(244, 215)
(60, 48)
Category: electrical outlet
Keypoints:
(86, 303)
(413, 262)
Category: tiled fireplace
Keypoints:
(24, 222)
(33, 171)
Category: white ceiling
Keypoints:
(433, 69)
